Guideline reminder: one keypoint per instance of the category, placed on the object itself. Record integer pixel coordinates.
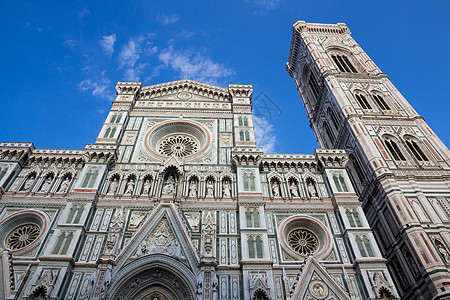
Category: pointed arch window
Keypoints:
(113, 132)
(340, 183)
(113, 119)
(246, 183)
(312, 81)
(364, 246)
(380, 101)
(343, 63)
(252, 217)
(107, 132)
(245, 121)
(247, 136)
(362, 101)
(241, 135)
(255, 247)
(416, 150)
(252, 182)
(394, 150)
(118, 117)
(241, 123)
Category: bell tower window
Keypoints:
(416, 151)
(394, 150)
(362, 101)
(343, 63)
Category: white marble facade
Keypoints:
(175, 201)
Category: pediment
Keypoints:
(316, 283)
(163, 233)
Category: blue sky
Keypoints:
(61, 59)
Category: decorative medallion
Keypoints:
(22, 236)
(184, 96)
(303, 241)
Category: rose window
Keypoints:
(22, 236)
(303, 241)
(178, 145)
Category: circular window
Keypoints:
(182, 139)
(22, 231)
(305, 235)
(178, 145)
(303, 241)
(22, 236)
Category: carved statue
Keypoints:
(226, 189)
(64, 186)
(136, 219)
(46, 185)
(130, 186)
(169, 186)
(444, 253)
(199, 291)
(294, 189)
(113, 186)
(193, 189)
(275, 189)
(312, 189)
(28, 183)
(210, 188)
(215, 285)
(147, 186)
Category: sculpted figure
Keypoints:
(193, 188)
(147, 186)
(169, 186)
(210, 188)
(226, 189)
(275, 189)
(294, 189)
(444, 253)
(46, 185)
(113, 186)
(130, 186)
(311, 189)
(64, 186)
(28, 183)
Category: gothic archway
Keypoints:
(154, 276)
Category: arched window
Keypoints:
(246, 183)
(245, 121)
(337, 183)
(240, 121)
(241, 135)
(380, 101)
(368, 246)
(329, 132)
(107, 132)
(350, 218)
(251, 247)
(113, 132)
(343, 63)
(118, 118)
(252, 182)
(259, 250)
(332, 116)
(247, 136)
(312, 82)
(394, 149)
(416, 150)
(113, 119)
(362, 101)
(364, 246)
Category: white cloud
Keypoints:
(167, 19)
(69, 43)
(99, 86)
(84, 12)
(107, 42)
(264, 134)
(265, 5)
(194, 66)
(131, 54)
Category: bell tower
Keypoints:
(400, 168)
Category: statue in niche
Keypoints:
(275, 189)
(130, 186)
(210, 188)
(293, 188)
(115, 227)
(215, 285)
(113, 186)
(147, 186)
(193, 188)
(311, 188)
(28, 183)
(226, 189)
(64, 185)
(169, 186)
(46, 185)
(199, 291)
(443, 252)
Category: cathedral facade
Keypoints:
(174, 200)
(397, 164)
